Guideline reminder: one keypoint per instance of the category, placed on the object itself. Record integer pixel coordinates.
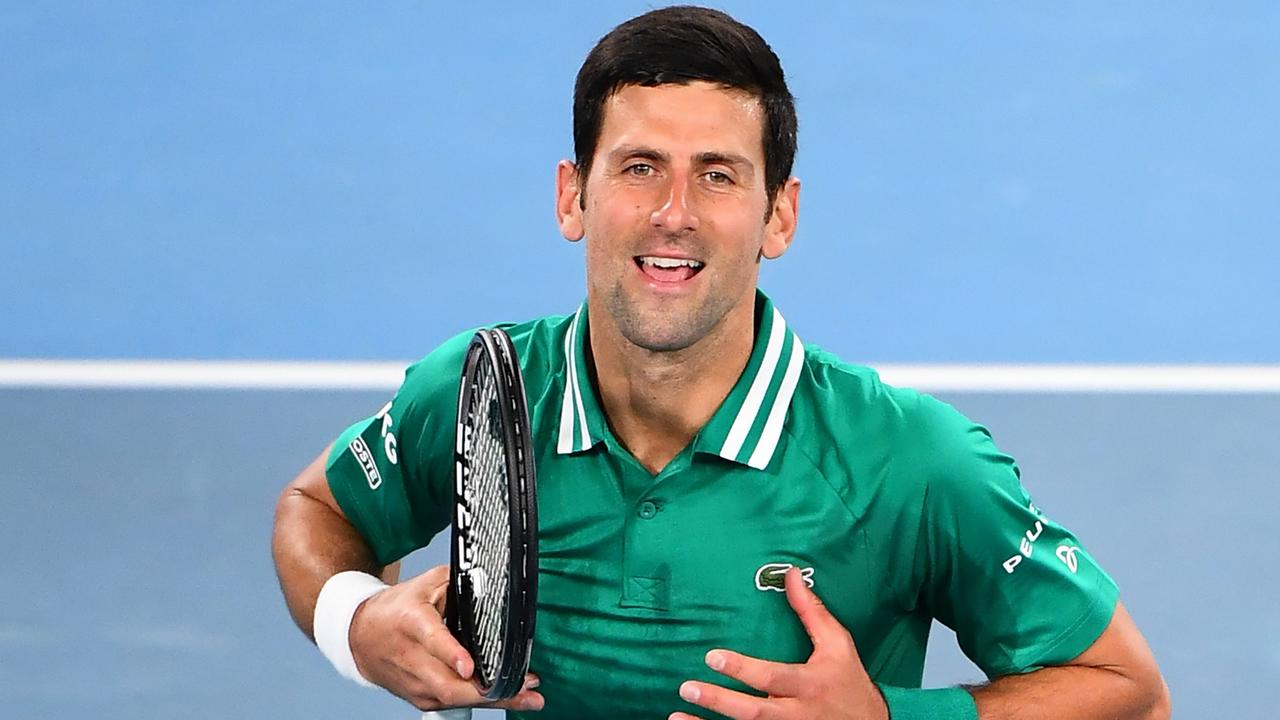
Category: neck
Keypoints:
(657, 402)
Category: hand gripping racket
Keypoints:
(493, 572)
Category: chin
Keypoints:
(662, 326)
(662, 331)
(647, 328)
(662, 343)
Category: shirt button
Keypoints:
(648, 510)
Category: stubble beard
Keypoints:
(665, 327)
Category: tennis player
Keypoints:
(733, 523)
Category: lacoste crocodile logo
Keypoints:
(773, 576)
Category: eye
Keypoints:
(639, 170)
(719, 178)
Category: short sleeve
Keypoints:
(392, 473)
(1019, 590)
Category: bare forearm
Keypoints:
(312, 541)
(1071, 692)
(1116, 677)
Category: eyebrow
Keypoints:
(638, 151)
(723, 158)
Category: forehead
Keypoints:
(684, 119)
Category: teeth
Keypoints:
(665, 262)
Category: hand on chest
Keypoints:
(698, 560)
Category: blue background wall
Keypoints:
(1091, 182)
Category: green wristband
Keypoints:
(940, 704)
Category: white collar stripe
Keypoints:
(577, 389)
(768, 441)
(750, 409)
(565, 442)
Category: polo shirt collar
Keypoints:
(582, 422)
(745, 429)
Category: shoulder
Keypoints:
(924, 438)
(538, 343)
(845, 393)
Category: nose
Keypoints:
(677, 214)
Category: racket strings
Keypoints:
(490, 531)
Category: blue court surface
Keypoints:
(140, 585)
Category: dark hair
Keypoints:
(679, 45)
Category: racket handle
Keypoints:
(454, 714)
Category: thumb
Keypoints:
(437, 576)
(825, 631)
(432, 586)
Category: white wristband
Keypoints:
(335, 606)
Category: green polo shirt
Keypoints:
(896, 507)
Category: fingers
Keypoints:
(432, 686)
(438, 575)
(429, 684)
(400, 641)
(434, 584)
(424, 623)
(426, 627)
(430, 588)
(825, 631)
(831, 683)
(526, 699)
(773, 678)
(431, 584)
(729, 702)
(395, 625)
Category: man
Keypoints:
(704, 478)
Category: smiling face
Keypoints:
(675, 212)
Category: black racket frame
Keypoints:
(493, 345)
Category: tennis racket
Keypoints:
(493, 573)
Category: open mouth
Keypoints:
(667, 269)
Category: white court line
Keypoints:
(1035, 378)
(281, 375)
(201, 374)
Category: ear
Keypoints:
(568, 207)
(781, 229)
